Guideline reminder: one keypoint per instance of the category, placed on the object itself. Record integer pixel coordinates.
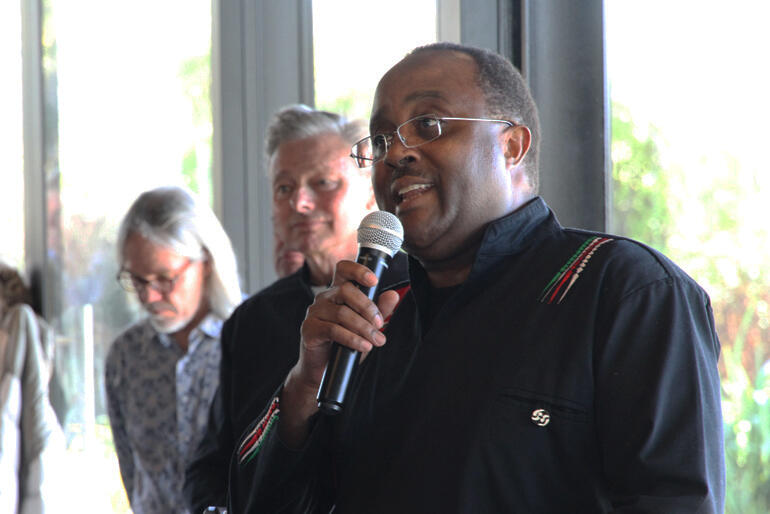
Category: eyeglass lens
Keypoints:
(136, 284)
(412, 133)
(163, 285)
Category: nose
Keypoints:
(149, 294)
(398, 154)
(303, 200)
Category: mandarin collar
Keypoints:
(505, 236)
(510, 235)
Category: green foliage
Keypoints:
(352, 104)
(195, 76)
(722, 248)
(639, 184)
(189, 169)
(746, 407)
(341, 105)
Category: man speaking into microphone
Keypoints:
(530, 368)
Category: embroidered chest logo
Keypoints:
(566, 277)
(540, 417)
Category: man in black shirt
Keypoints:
(530, 368)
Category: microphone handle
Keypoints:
(343, 361)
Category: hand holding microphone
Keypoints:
(345, 314)
(380, 236)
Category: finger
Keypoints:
(351, 295)
(349, 308)
(349, 271)
(328, 304)
(318, 333)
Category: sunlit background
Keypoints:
(11, 137)
(128, 88)
(689, 89)
(127, 108)
(349, 62)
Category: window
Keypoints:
(688, 85)
(127, 108)
(349, 61)
(11, 138)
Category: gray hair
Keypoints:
(300, 121)
(174, 218)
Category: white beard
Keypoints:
(169, 325)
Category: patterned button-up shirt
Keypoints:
(158, 399)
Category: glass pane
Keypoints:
(127, 108)
(11, 138)
(689, 88)
(349, 62)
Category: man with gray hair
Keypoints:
(162, 372)
(319, 199)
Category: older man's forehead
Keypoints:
(316, 150)
(343, 164)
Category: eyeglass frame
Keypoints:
(163, 285)
(388, 136)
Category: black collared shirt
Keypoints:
(572, 372)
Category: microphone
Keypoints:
(380, 236)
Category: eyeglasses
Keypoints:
(162, 284)
(412, 133)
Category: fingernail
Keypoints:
(379, 337)
(378, 320)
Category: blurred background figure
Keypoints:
(31, 441)
(161, 373)
(319, 199)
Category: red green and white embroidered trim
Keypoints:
(251, 444)
(563, 281)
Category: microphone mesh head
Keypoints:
(381, 230)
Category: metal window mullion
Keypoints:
(35, 230)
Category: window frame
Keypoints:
(254, 41)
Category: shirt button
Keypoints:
(540, 417)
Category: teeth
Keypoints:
(413, 187)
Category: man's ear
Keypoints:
(516, 144)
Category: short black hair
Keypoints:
(506, 93)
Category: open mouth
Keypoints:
(410, 192)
